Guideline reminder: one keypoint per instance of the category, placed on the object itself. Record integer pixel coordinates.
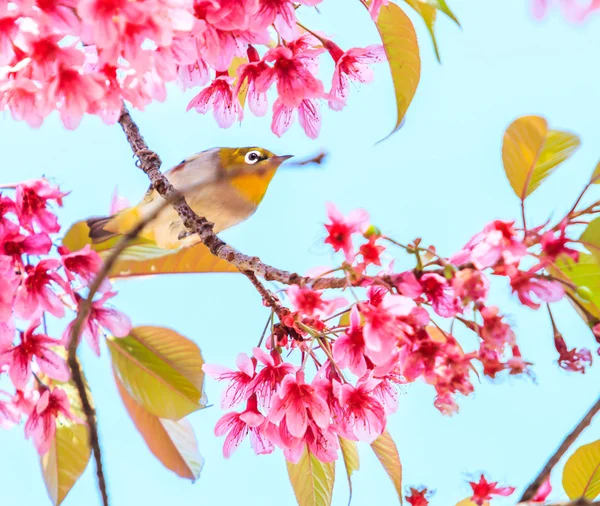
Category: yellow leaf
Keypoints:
(581, 475)
(232, 70)
(387, 453)
(161, 370)
(351, 460)
(585, 273)
(145, 258)
(66, 460)
(173, 443)
(312, 480)
(467, 502)
(531, 152)
(591, 237)
(442, 6)
(402, 50)
(428, 13)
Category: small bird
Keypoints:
(225, 185)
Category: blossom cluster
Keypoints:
(37, 282)
(392, 336)
(86, 56)
(574, 11)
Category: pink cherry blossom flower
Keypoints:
(441, 295)
(238, 425)
(8, 32)
(484, 490)
(554, 244)
(38, 346)
(36, 293)
(24, 99)
(192, 75)
(60, 14)
(227, 14)
(292, 71)
(341, 228)
(9, 413)
(364, 417)
(309, 117)
(294, 402)
(41, 425)
(470, 285)
(387, 390)
(99, 317)
(8, 284)
(117, 203)
(371, 252)
(349, 348)
(32, 200)
(268, 379)
(220, 96)
(7, 207)
(321, 442)
(574, 360)
(350, 65)
(83, 265)
(374, 8)
(282, 14)
(543, 492)
(408, 284)
(417, 497)
(247, 75)
(16, 245)
(238, 380)
(526, 284)
(7, 333)
(309, 302)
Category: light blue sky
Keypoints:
(439, 178)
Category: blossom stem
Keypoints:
(264, 332)
(523, 216)
(562, 449)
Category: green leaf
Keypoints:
(312, 480)
(581, 475)
(173, 443)
(351, 460)
(161, 370)
(387, 453)
(144, 258)
(442, 6)
(531, 152)
(66, 460)
(400, 43)
(595, 179)
(585, 273)
(428, 13)
(591, 237)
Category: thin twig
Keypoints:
(150, 163)
(562, 449)
(74, 365)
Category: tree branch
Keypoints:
(74, 365)
(562, 449)
(150, 163)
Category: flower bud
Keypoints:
(372, 231)
(583, 292)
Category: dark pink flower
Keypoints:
(267, 380)
(484, 490)
(526, 284)
(554, 244)
(101, 317)
(364, 417)
(470, 285)
(371, 252)
(38, 347)
(238, 425)
(349, 348)
(16, 245)
(417, 497)
(341, 228)
(7, 206)
(574, 360)
(441, 295)
(32, 201)
(238, 380)
(351, 65)
(543, 492)
(83, 265)
(36, 293)
(294, 402)
(8, 284)
(309, 302)
(247, 75)
(41, 425)
(408, 284)
(220, 96)
(292, 71)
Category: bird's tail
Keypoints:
(97, 232)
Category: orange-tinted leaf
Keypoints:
(585, 273)
(402, 50)
(145, 258)
(429, 14)
(595, 179)
(312, 480)
(387, 453)
(173, 443)
(581, 475)
(351, 459)
(161, 370)
(66, 460)
(531, 152)
(236, 62)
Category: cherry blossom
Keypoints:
(484, 490)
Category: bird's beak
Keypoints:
(282, 159)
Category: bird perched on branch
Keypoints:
(223, 185)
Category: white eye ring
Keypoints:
(252, 157)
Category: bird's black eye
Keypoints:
(253, 157)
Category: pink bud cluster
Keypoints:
(392, 336)
(34, 286)
(86, 56)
